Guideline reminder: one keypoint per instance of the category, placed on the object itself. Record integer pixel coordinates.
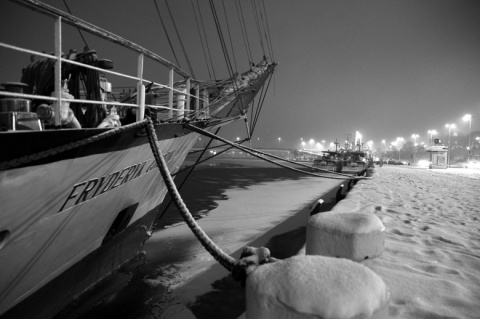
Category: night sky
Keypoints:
(384, 68)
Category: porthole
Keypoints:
(4, 235)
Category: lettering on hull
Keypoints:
(89, 189)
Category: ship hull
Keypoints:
(76, 216)
(89, 272)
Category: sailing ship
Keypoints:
(79, 184)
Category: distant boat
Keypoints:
(344, 160)
(79, 186)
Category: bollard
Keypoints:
(353, 235)
(315, 287)
(370, 171)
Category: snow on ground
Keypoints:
(252, 206)
(431, 261)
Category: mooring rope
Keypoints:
(225, 260)
(250, 258)
(63, 148)
(256, 154)
(292, 162)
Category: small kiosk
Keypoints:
(438, 155)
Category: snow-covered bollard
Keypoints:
(352, 235)
(315, 287)
(370, 171)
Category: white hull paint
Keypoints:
(57, 214)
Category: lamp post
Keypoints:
(468, 117)
(431, 132)
(370, 144)
(383, 149)
(395, 143)
(450, 127)
(399, 140)
(414, 136)
(323, 144)
(358, 139)
(279, 140)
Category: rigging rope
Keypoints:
(260, 103)
(201, 40)
(230, 37)
(257, 23)
(166, 33)
(267, 35)
(79, 31)
(206, 159)
(241, 19)
(180, 39)
(206, 40)
(221, 38)
(190, 168)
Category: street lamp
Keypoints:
(414, 136)
(311, 142)
(431, 132)
(399, 140)
(468, 117)
(303, 144)
(450, 127)
(358, 138)
(279, 140)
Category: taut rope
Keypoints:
(250, 257)
(224, 259)
(260, 154)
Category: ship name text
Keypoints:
(89, 189)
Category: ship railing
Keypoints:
(177, 104)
